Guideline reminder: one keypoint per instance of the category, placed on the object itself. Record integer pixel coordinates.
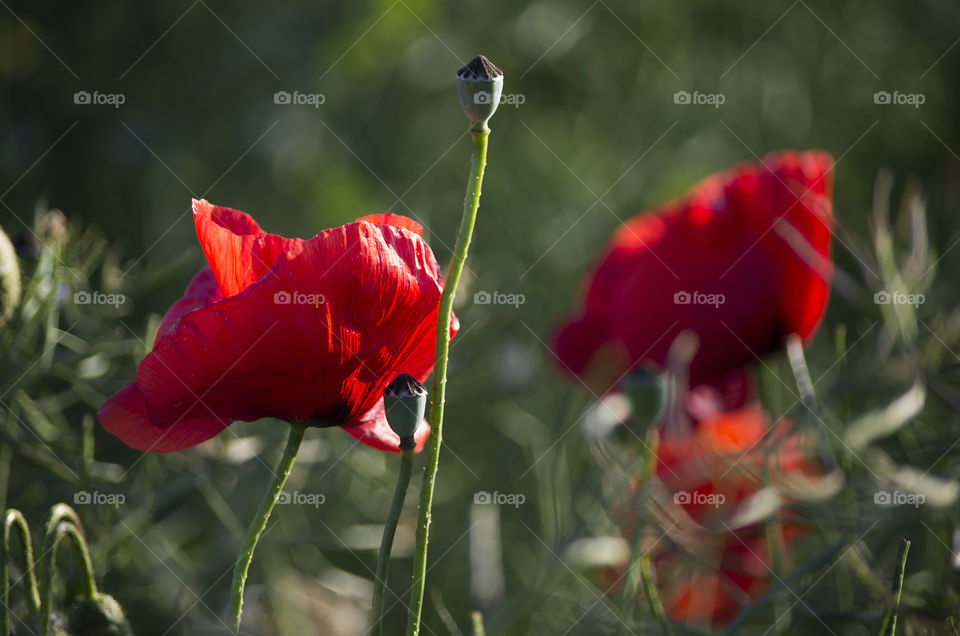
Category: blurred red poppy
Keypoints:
(307, 331)
(743, 260)
(711, 536)
(734, 454)
(712, 474)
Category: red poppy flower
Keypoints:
(711, 474)
(743, 260)
(734, 571)
(734, 454)
(307, 331)
(704, 481)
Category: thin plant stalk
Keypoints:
(476, 619)
(62, 522)
(13, 519)
(259, 522)
(480, 132)
(389, 532)
(650, 593)
(889, 625)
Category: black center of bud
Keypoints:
(479, 69)
(404, 385)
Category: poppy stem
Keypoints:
(389, 531)
(480, 133)
(476, 619)
(259, 522)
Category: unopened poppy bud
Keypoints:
(404, 402)
(479, 87)
(646, 392)
(10, 288)
(100, 616)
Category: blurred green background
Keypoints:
(598, 136)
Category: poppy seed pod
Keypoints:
(647, 393)
(10, 287)
(405, 401)
(479, 87)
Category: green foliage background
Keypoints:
(597, 137)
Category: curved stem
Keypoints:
(14, 519)
(480, 133)
(389, 531)
(62, 522)
(259, 522)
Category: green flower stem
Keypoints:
(476, 618)
(389, 531)
(62, 522)
(6, 453)
(14, 519)
(650, 592)
(259, 522)
(889, 625)
(480, 132)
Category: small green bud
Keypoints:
(404, 401)
(10, 287)
(646, 394)
(479, 87)
(100, 616)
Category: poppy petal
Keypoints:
(203, 290)
(316, 340)
(125, 415)
(238, 251)
(711, 263)
(396, 220)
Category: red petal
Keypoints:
(125, 415)
(811, 220)
(395, 220)
(372, 429)
(717, 240)
(376, 289)
(238, 251)
(202, 291)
